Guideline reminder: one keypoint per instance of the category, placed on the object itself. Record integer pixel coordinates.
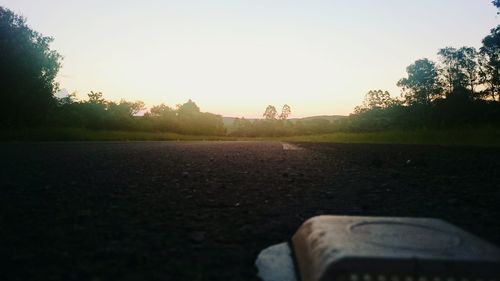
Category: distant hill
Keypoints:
(326, 117)
(228, 121)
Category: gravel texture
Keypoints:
(204, 210)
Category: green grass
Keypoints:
(486, 136)
(79, 134)
(470, 137)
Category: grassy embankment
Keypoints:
(471, 136)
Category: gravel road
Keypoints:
(203, 210)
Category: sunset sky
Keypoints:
(235, 57)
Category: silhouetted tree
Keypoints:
(28, 68)
(270, 113)
(376, 99)
(469, 64)
(451, 68)
(285, 112)
(422, 84)
(96, 98)
(460, 67)
(490, 64)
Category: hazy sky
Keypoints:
(234, 57)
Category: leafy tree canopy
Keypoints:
(285, 112)
(28, 68)
(188, 108)
(270, 113)
(422, 84)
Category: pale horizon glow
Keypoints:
(235, 57)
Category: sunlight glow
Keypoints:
(235, 57)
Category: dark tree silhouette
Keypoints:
(28, 68)
(451, 70)
(460, 67)
(96, 98)
(469, 64)
(490, 64)
(376, 99)
(422, 84)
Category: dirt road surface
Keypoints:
(203, 210)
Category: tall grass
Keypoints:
(486, 136)
(79, 134)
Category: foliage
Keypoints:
(28, 68)
(99, 113)
(490, 64)
(460, 67)
(496, 3)
(376, 99)
(285, 112)
(462, 90)
(270, 113)
(422, 84)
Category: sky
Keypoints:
(234, 57)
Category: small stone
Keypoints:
(198, 236)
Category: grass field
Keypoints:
(78, 134)
(486, 136)
(473, 137)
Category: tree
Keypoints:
(451, 68)
(132, 108)
(490, 64)
(270, 113)
(285, 112)
(469, 64)
(242, 127)
(188, 108)
(67, 100)
(422, 84)
(460, 67)
(376, 99)
(96, 98)
(497, 4)
(28, 68)
(160, 110)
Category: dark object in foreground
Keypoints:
(382, 248)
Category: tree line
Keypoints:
(28, 68)
(98, 113)
(461, 89)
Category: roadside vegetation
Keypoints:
(455, 100)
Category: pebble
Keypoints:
(198, 236)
